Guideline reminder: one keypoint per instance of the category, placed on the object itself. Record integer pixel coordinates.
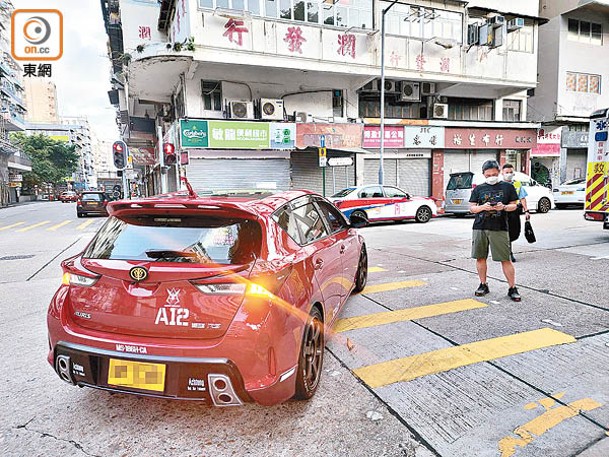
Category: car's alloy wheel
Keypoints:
(423, 214)
(361, 277)
(311, 357)
(544, 205)
(359, 214)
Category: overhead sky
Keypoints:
(82, 75)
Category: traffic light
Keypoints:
(169, 154)
(119, 152)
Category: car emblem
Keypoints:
(138, 273)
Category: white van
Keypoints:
(460, 185)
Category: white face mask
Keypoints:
(492, 180)
(508, 176)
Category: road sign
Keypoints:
(322, 141)
(340, 162)
(323, 161)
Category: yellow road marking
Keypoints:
(420, 312)
(85, 224)
(392, 286)
(375, 270)
(30, 227)
(416, 366)
(11, 226)
(547, 421)
(55, 227)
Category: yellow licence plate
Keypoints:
(457, 201)
(138, 375)
(566, 193)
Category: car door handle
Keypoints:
(342, 249)
(319, 264)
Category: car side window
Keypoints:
(310, 223)
(286, 220)
(394, 192)
(335, 219)
(371, 192)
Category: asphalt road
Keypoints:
(417, 366)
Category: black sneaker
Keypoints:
(482, 290)
(513, 294)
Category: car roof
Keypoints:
(260, 203)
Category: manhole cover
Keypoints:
(17, 257)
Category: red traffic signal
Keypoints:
(119, 153)
(169, 154)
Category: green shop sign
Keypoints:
(194, 133)
(239, 135)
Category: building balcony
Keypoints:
(19, 161)
(7, 148)
(13, 122)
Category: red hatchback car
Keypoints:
(220, 299)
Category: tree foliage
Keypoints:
(52, 161)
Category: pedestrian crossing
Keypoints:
(50, 226)
(405, 369)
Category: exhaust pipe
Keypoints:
(221, 391)
(62, 366)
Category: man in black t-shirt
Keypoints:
(490, 202)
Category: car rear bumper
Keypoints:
(215, 381)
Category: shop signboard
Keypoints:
(423, 137)
(464, 138)
(394, 136)
(283, 135)
(548, 143)
(337, 136)
(194, 133)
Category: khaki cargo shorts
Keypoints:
(498, 241)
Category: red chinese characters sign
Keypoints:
(394, 136)
(490, 138)
(335, 135)
(548, 143)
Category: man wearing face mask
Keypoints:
(491, 202)
(514, 217)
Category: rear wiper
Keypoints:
(169, 254)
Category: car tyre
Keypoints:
(544, 205)
(359, 214)
(423, 214)
(361, 276)
(310, 361)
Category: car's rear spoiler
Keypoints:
(178, 206)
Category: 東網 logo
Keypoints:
(138, 274)
(37, 34)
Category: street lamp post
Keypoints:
(382, 150)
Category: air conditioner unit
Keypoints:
(271, 109)
(497, 21)
(302, 117)
(515, 24)
(390, 86)
(410, 92)
(241, 110)
(428, 88)
(473, 34)
(440, 111)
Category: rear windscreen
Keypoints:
(92, 197)
(463, 181)
(188, 239)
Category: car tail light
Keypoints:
(72, 279)
(105, 202)
(473, 186)
(78, 202)
(232, 288)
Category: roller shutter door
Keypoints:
(414, 176)
(219, 174)
(306, 173)
(411, 175)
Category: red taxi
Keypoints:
(222, 299)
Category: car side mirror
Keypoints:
(357, 221)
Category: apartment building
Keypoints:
(573, 72)
(250, 90)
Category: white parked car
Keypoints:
(460, 185)
(384, 203)
(571, 193)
